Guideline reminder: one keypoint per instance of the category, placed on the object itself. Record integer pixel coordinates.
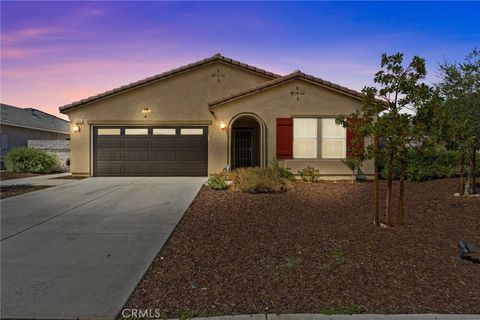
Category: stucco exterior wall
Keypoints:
(278, 102)
(179, 99)
(183, 99)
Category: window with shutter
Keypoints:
(355, 142)
(284, 138)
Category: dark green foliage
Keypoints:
(459, 88)
(428, 164)
(309, 174)
(217, 182)
(30, 160)
(354, 164)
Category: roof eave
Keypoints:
(165, 75)
(294, 76)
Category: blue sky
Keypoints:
(54, 53)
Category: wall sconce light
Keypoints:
(223, 126)
(146, 112)
(76, 129)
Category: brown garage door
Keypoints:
(150, 151)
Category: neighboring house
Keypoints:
(215, 113)
(18, 125)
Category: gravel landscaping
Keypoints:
(5, 175)
(11, 191)
(313, 249)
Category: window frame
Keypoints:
(319, 139)
(322, 138)
(305, 138)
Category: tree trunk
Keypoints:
(462, 171)
(401, 193)
(474, 169)
(376, 214)
(376, 184)
(470, 176)
(388, 212)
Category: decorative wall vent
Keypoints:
(218, 75)
(296, 92)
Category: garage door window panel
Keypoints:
(164, 131)
(136, 131)
(109, 132)
(191, 131)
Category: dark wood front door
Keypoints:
(243, 143)
(150, 151)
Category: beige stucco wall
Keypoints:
(179, 99)
(183, 99)
(278, 102)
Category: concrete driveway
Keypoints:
(79, 250)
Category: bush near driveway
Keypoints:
(30, 160)
(217, 182)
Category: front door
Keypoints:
(242, 140)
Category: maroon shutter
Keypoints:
(284, 138)
(355, 143)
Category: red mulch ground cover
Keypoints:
(314, 248)
(11, 191)
(5, 175)
(69, 178)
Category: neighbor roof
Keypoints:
(216, 57)
(32, 119)
(292, 76)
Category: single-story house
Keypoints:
(209, 115)
(20, 125)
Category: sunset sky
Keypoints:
(54, 53)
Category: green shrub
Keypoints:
(427, 165)
(309, 174)
(217, 182)
(30, 160)
(282, 171)
(260, 180)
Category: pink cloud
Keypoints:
(34, 32)
(52, 85)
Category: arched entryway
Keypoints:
(247, 136)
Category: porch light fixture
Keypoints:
(223, 126)
(76, 129)
(146, 112)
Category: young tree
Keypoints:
(460, 88)
(384, 117)
(364, 124)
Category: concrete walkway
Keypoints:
(42, 180)
(79, 250)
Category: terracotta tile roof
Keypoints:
(216, 57)
(292, 76)
(32, 118)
